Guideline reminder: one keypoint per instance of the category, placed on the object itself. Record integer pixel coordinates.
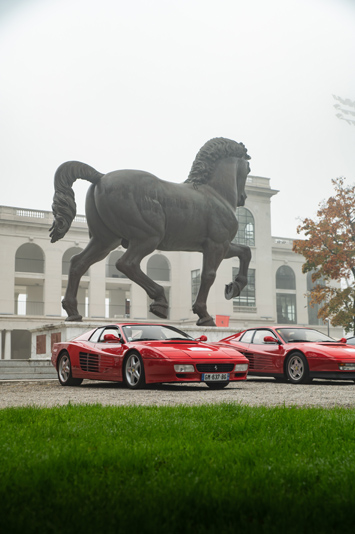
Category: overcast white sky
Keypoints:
(144, 84)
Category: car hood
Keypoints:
(336, 349)
(197, 351)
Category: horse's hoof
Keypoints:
(160, 310)
(228, 291)
(206, 321)
(232, 290)
(74, 318)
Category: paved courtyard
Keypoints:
(254, 392)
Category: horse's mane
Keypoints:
(212, 151)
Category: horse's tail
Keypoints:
(64, 207)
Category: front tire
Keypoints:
(64, 371)
(217, 385)
(297, 370)
(133, 371)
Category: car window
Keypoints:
(303, 335)
(140, 332)
(95, 336)
(247, 336)
(110, 330)
(259, 336)
(173, 333)
(149, 332)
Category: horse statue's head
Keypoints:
(211, 153)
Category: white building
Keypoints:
(34, 275)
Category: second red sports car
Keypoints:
(141, 353)
(294, 353)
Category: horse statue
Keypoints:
(143, 213)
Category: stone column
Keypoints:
(7, 350)
(53, 282)
(80, 296)
(7, 282)
(139, 302)
(97, 288)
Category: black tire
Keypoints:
(217, 385)
(297, 370)
(133, 371)
(64, 371)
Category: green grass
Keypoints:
(217, 468)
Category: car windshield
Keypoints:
(148, 332)
(302, 335)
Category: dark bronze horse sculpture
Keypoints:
(142, 213)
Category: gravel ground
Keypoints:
(254, 392)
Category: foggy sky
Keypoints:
(144, 84)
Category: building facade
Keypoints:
(34, 275)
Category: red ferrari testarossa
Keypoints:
(297, 354)
(141, 353)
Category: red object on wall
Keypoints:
(41, 344)
(55, 338)
(222, 320)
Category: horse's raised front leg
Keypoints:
(243, 252)
(79, 264)
(213, 254)
(129, 264)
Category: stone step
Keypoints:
(27, 370)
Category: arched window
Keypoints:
(158, 268)
(248, 295)
(286, 301)
(29, 259)
(117, 302)
(286, 308)
(246, 228)
(285, 278)
(111, 269)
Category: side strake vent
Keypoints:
(89, 362)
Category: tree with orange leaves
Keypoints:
(329, 249)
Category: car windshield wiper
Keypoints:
(299, 341)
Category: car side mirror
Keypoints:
(270, 339)
(201, 338)
(343, 340)
(111, 338)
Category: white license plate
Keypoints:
(215, 377)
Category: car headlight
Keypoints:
(184, 368)
(347, 366)
(241, 367)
